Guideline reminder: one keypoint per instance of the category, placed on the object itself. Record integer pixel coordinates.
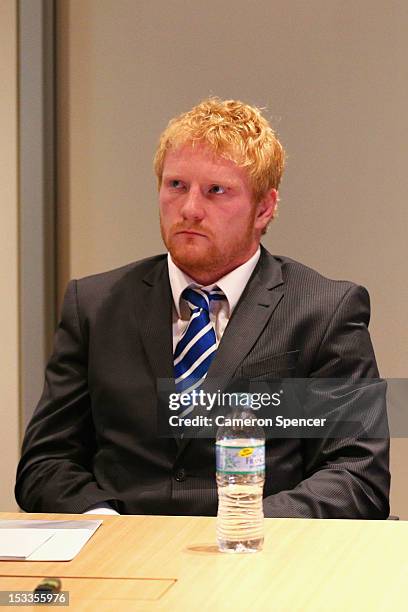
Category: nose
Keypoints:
(193, 204)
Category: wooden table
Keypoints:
(171, 563)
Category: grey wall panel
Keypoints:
(37, 193)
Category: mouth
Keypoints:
(188, 232)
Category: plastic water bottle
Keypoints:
(240, 460)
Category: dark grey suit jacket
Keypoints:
(93, 436)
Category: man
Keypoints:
(93, 442)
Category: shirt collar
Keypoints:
(232, 284)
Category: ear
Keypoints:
(266, 209)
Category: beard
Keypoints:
(192, 254)
(201, 257)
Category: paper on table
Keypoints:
(20, 543)
(66, 540)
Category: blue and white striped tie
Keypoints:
(197, 347)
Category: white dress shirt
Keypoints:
(232, 285)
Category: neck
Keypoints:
(205, 277)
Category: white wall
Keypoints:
(332, 74)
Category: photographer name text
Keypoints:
(200, 421)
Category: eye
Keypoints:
(175, 184)
(217, 189)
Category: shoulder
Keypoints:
(310, 289)
(97, 287)
(293, 270)
(298, 275)
(137, 269)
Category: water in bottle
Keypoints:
(240, 458)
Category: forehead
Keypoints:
(200, 159)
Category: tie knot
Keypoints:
(198, 298)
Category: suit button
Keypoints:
(180, 475)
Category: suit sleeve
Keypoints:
(55, 470)
(347, 476)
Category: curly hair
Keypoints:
(233, 130)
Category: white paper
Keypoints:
(56, 540)
(20, 543)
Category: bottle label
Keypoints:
(240, 459)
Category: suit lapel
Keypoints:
(255, 307)
(156, 319)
